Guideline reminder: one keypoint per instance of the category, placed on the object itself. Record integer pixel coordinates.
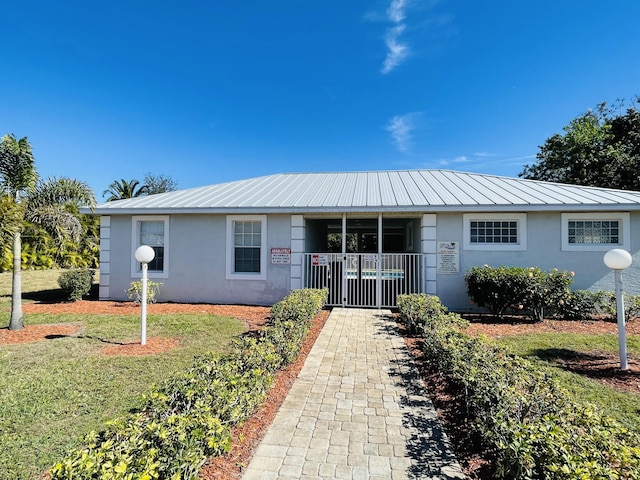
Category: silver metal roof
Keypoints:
(386, 191)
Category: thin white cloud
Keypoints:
(401, 128)
(395, 12)
(480, 160)
(396, 51)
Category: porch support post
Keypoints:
(297, 250)
(344, 259)
(379, 264)
(429, 251)
(105, 257)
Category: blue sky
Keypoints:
(218, 90)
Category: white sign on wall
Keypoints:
(448, 258)
(281, 256)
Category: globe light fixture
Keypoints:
(617, 260)
(144, 254)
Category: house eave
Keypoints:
(414, 209)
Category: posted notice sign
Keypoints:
(319, 260)
(281, 256)
(448, 258)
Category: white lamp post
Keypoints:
(617, 260)
(144, 254)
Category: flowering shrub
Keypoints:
(518, 288)
(546, 292)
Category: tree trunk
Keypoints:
(16, 322)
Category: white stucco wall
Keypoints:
(198, 249)
(544, 250)
(197, 262)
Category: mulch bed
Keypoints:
(34, 333)
(600, 366)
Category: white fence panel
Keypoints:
(364, 279)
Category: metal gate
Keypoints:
(364, 279)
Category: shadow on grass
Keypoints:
(489, 319)
(556, 354)
(57, 336)
(45, 296)
(594, 365)
(57, 295)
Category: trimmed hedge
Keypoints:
(536, 429)
(418, 309)
(189, 417)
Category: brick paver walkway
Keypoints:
(356, 411)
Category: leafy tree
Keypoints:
(599, 148)
(159, 184)
(44, 203)
(121, 189)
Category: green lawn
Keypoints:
(54, 391)
(35, 283)
(547, 347)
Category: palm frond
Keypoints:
(59, 223)
(61, 191)
(121, 189)
(11, 214)
(18, 173)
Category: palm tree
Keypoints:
(121, 189)
(45, 203)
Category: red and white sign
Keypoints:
(319, 260)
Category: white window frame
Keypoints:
(625, 234)
(521, 218)
(230, 274)
(136, 220)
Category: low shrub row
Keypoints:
(536, 429)
(587, 304)
(540, 294)
(189, 418)
(417, 310)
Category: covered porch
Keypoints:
(364, 261)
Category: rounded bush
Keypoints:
(75, 284)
